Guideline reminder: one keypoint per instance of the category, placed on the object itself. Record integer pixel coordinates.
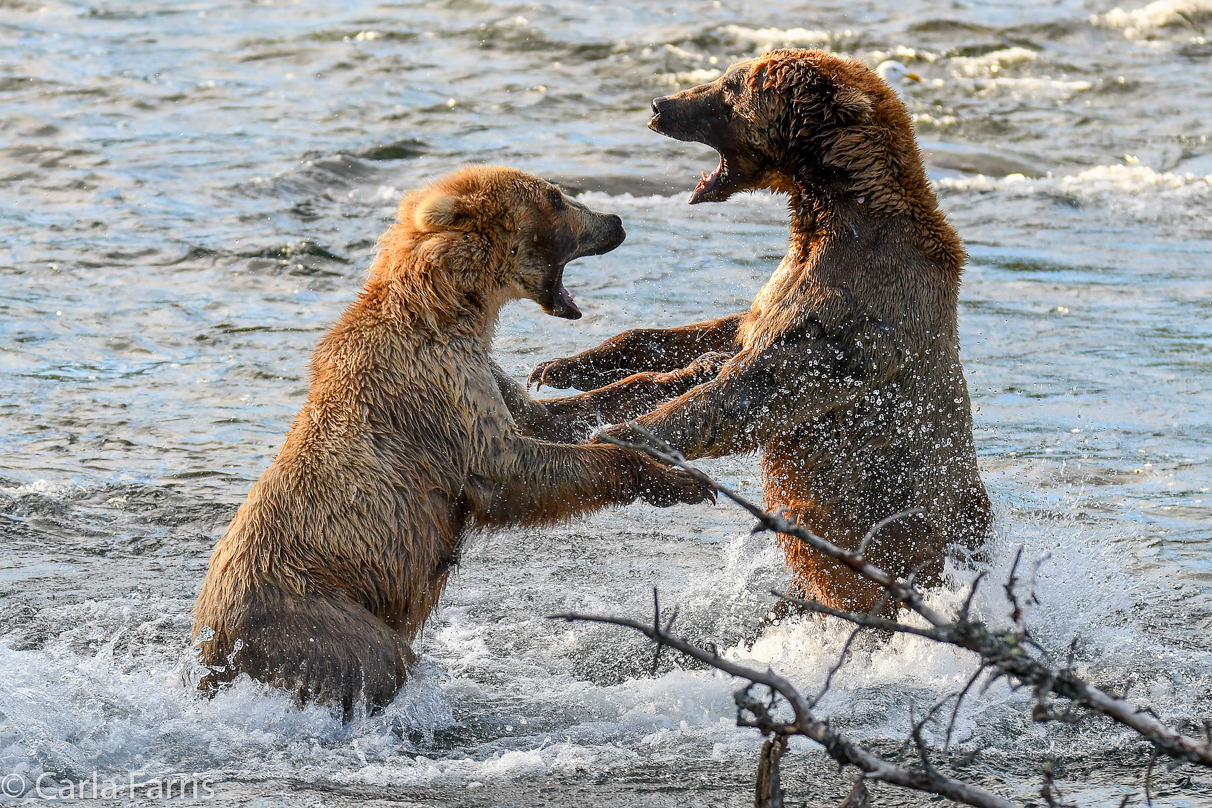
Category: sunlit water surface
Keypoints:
(192, 192)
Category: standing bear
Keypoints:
(407, 445)
(845, 372)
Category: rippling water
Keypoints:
(191, 193)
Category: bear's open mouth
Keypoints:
(710, 186)
(560, 302)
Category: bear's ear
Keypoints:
(440, 211)
(757, 80)
(852, 103)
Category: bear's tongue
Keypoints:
(566, 301)
(557, 300)
(708, 184)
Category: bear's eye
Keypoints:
(513, 250)
(732, 89)
(555, 198)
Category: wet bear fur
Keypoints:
(845, 372)
(406, 445)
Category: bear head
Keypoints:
(801, 122)
(501, 234)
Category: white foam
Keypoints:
(762, 201)
(386, 193)
(980, 65)
(120, 705)
(1150, 20)
(767, 39)
(1023, 87)
(1054, 558)
(43, 487)
(699, 75)
(1040, 85)
(903, 53)
(1139, 190)
(923, 119)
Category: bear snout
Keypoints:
(660, 106)
(616, 231)
(614, 226)
(696, 115)
(611, 236)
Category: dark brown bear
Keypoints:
(407, 444)
(846, 371)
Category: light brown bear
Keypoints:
(845, 372)
(407, 444)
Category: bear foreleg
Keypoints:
(544, 483)
(631, 397)
(651, 350)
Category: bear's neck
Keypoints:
(849, 216)
(413, 310)
(431, 297)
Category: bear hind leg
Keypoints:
(322, 648)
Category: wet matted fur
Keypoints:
(845, 372)
(407, 443)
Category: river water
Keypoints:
(192, 192)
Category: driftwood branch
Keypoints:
(769, 787)
(1005, 653)
(1011, 654)
(843, 750)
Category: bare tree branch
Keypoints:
(860, 618)
(900, 591)
(1005, 653)
(836, 745)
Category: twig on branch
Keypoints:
(858, 797)
(860, 618)
(959, 699)
(1051, 794)
(656, 618)
(883, 523)
(1149, 779)
(841, 660)
(769, 785)
(1011, 587)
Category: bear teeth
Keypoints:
(709, 182)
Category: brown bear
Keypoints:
(407, 444)
(846, 371)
